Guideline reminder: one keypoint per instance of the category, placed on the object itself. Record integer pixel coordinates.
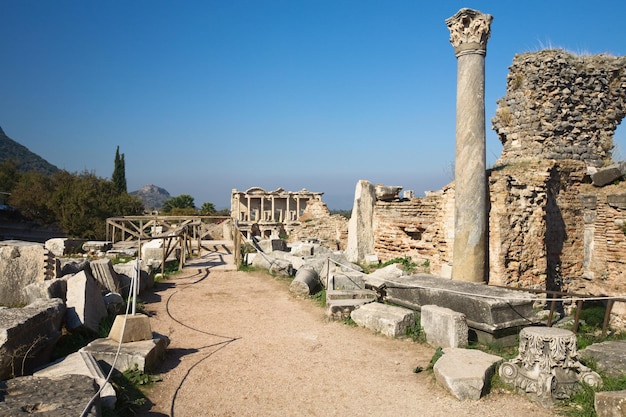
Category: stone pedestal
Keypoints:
(137, 328)
(547, 365)
(469, 32)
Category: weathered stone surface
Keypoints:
(70, 266)
(62, 396)
(306, 282)
(273, 264)
(387, 192)
(465, 372)
(609, 356)
(22, 263)
(547, 365)
(62, 246)
(378, 278)
(131, 328)
(145, 354)
(28, 334)
(490, 311)
(360, 225)
(444, 327)
(104, 274)
(95, 246)
(340, 304)
(561, 106)
(610, 403)
(126, 271)
(302, 249)
(85, 306)
(616, 200)
(388, 320)
(114, 302)
(81, 363)
(271, 245)
(469, 32)
(608, 175)
(52, 288)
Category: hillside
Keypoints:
(26, 160)
(152, 196)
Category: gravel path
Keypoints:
(242, 345)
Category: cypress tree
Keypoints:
(119, 172)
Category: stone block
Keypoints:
(347, 281)
(104, 274)
(126, 271)
(81, 363)
(388, 320)
(387, 192)
(340, 304)
(95, 246)
(146, 354)
(131, 328)
(61, 396)
(608, 175)
(62, 246)
(492, 313)
(588, 201)
(70, 266)
(21, 264)
(444, 327)
(49, 289)
(465, 372)
(85, 306)
(610, 403)
(32, 329)
(616, 200)
(608, 356)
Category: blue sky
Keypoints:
(206, 96)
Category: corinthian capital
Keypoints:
(469, 31)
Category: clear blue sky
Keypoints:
(206, 96)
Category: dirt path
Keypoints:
(242, 345)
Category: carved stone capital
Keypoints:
(469, 31)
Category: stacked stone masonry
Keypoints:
(561, 106)
(413, 228)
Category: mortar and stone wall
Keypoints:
(420, 228)
(561, 106)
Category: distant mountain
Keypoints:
(26, 160)
(152, 196)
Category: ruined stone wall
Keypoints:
(317, 223)
(536, 238)
(330, 230)
(416, 228)
(604, 258)
(561, 106)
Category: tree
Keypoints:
(9, 175)
(181, 205)
(32, 196)
(119, 172)
(82, 203)
(207, 209)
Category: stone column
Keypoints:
(469, 32)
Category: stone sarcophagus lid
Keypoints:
(492, 313)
